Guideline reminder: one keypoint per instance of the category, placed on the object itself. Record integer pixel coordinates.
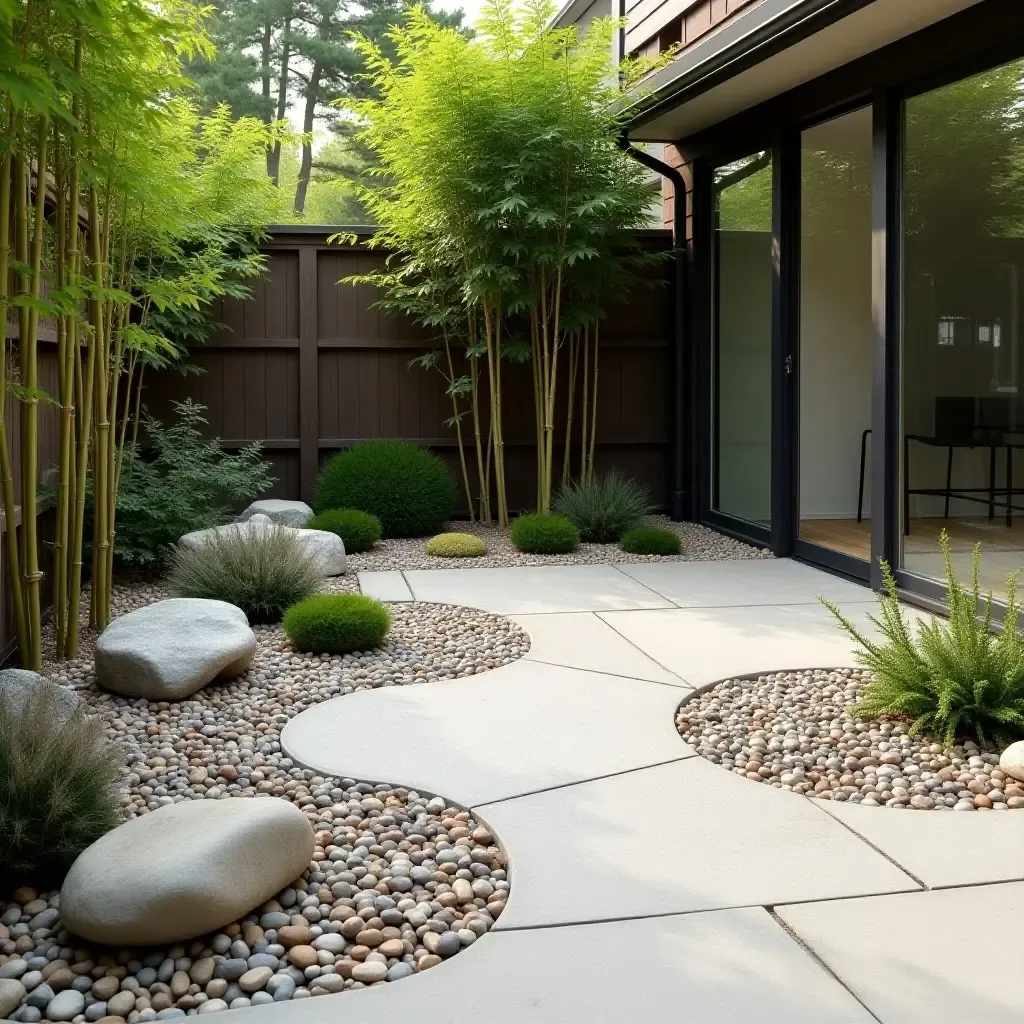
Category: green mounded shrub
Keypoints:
(263, 571)
(337, 623)
(950, 678)
(456, 545)
(359, 531)
(544, 533)
(604, 508)
(651, 540)
(58, 783)
(410, 490)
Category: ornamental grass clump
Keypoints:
(58, 783)
(358, 531)
(651, 540)
(456, 545)
(337, 623)
(951, 678)
(262, 571)
(544, 533)
(409, 489)
(604, 507)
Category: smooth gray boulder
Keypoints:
(170, 649)
(185, 870)
(280, 511)
(19, 685)
(326, 549)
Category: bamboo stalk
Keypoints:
(593, 406)
(29, 350)
(10, 508)
(584, 412)
(60, 579)
(574, 358)
(458, 426)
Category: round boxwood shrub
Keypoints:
(544, 533)
(337, 623)
(409, 489)
(358, 531)
(651, 540)
(456, 545)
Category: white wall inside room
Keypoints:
(836, 334)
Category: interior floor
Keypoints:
(1002, 547)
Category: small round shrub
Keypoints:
(337, 623)
(58, 783)
(410, 490)
(604, 508)
(359, 531)
(544, 533)
(262, 571)
(651, 540)
(456, 545)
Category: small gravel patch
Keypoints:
(699, 545)
(795, 731)
(399, 881)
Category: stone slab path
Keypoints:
(648, 883)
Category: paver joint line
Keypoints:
(818, 806)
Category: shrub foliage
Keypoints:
(262, 571)
(337, 623)
(651, 540)
(359, 531)
(950, 678)
(183, 483)
(58, 783)
(544, 533)
(409, 489)
(456, 545)
(605, 507)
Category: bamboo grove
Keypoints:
(510, 215)
(122, 214)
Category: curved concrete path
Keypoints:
(647, 882)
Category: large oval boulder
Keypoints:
(184, 870)
(170, 649)
(18, 686)
(327, 549)
(280, 511)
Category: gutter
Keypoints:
(752, 38)
(680, 498)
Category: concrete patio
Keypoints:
(646, 881)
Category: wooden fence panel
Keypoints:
(309, 366)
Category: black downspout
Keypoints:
(679, 490)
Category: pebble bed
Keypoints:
(398, 882)
(699, 545)
(795, 731)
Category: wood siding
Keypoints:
(655, 24)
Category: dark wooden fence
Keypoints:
(308, 366)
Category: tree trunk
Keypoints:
(274, 164)
(265, 42)
(306, 167)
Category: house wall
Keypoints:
(655, 25)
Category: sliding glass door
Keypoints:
(741, 386)
(836, 342)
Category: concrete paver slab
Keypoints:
(742, 582)
(583, 640)
(515, 730)
(731, 967)
(385, 585)
(521, 590)
(942, 849)
(684, 836)
(925, 958)
(703, 645)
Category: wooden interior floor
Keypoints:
(1002, 547)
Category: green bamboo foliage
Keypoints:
(123, 213)
(499, 172)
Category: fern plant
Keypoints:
(950, 678)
